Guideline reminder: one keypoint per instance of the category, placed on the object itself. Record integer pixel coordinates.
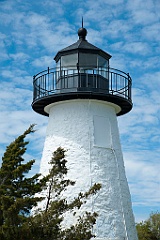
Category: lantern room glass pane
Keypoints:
(102, 62)
(87, 60)
(70, 60)
(103, 65)
(58, 65)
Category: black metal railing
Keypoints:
(107, 81)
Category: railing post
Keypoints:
(34, 89)
(129, 86)
(48, 81)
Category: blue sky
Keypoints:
(31, 33)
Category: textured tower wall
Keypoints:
(88, 130)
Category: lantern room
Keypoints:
(82, 71)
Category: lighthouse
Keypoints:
(82, 97)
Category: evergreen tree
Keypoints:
(18, 197)
(17, 192)
(49, 223)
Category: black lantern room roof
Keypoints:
(82, 45)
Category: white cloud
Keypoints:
(136, 48)
(20, 57)
(143, 12)
(43, 62)
(152, 32)
(139, 48)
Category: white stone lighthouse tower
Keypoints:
(83, 97)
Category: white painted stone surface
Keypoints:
(88, 130)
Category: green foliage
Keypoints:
(149, 229)
(17, 193)
(18, 197)
(49, 222)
